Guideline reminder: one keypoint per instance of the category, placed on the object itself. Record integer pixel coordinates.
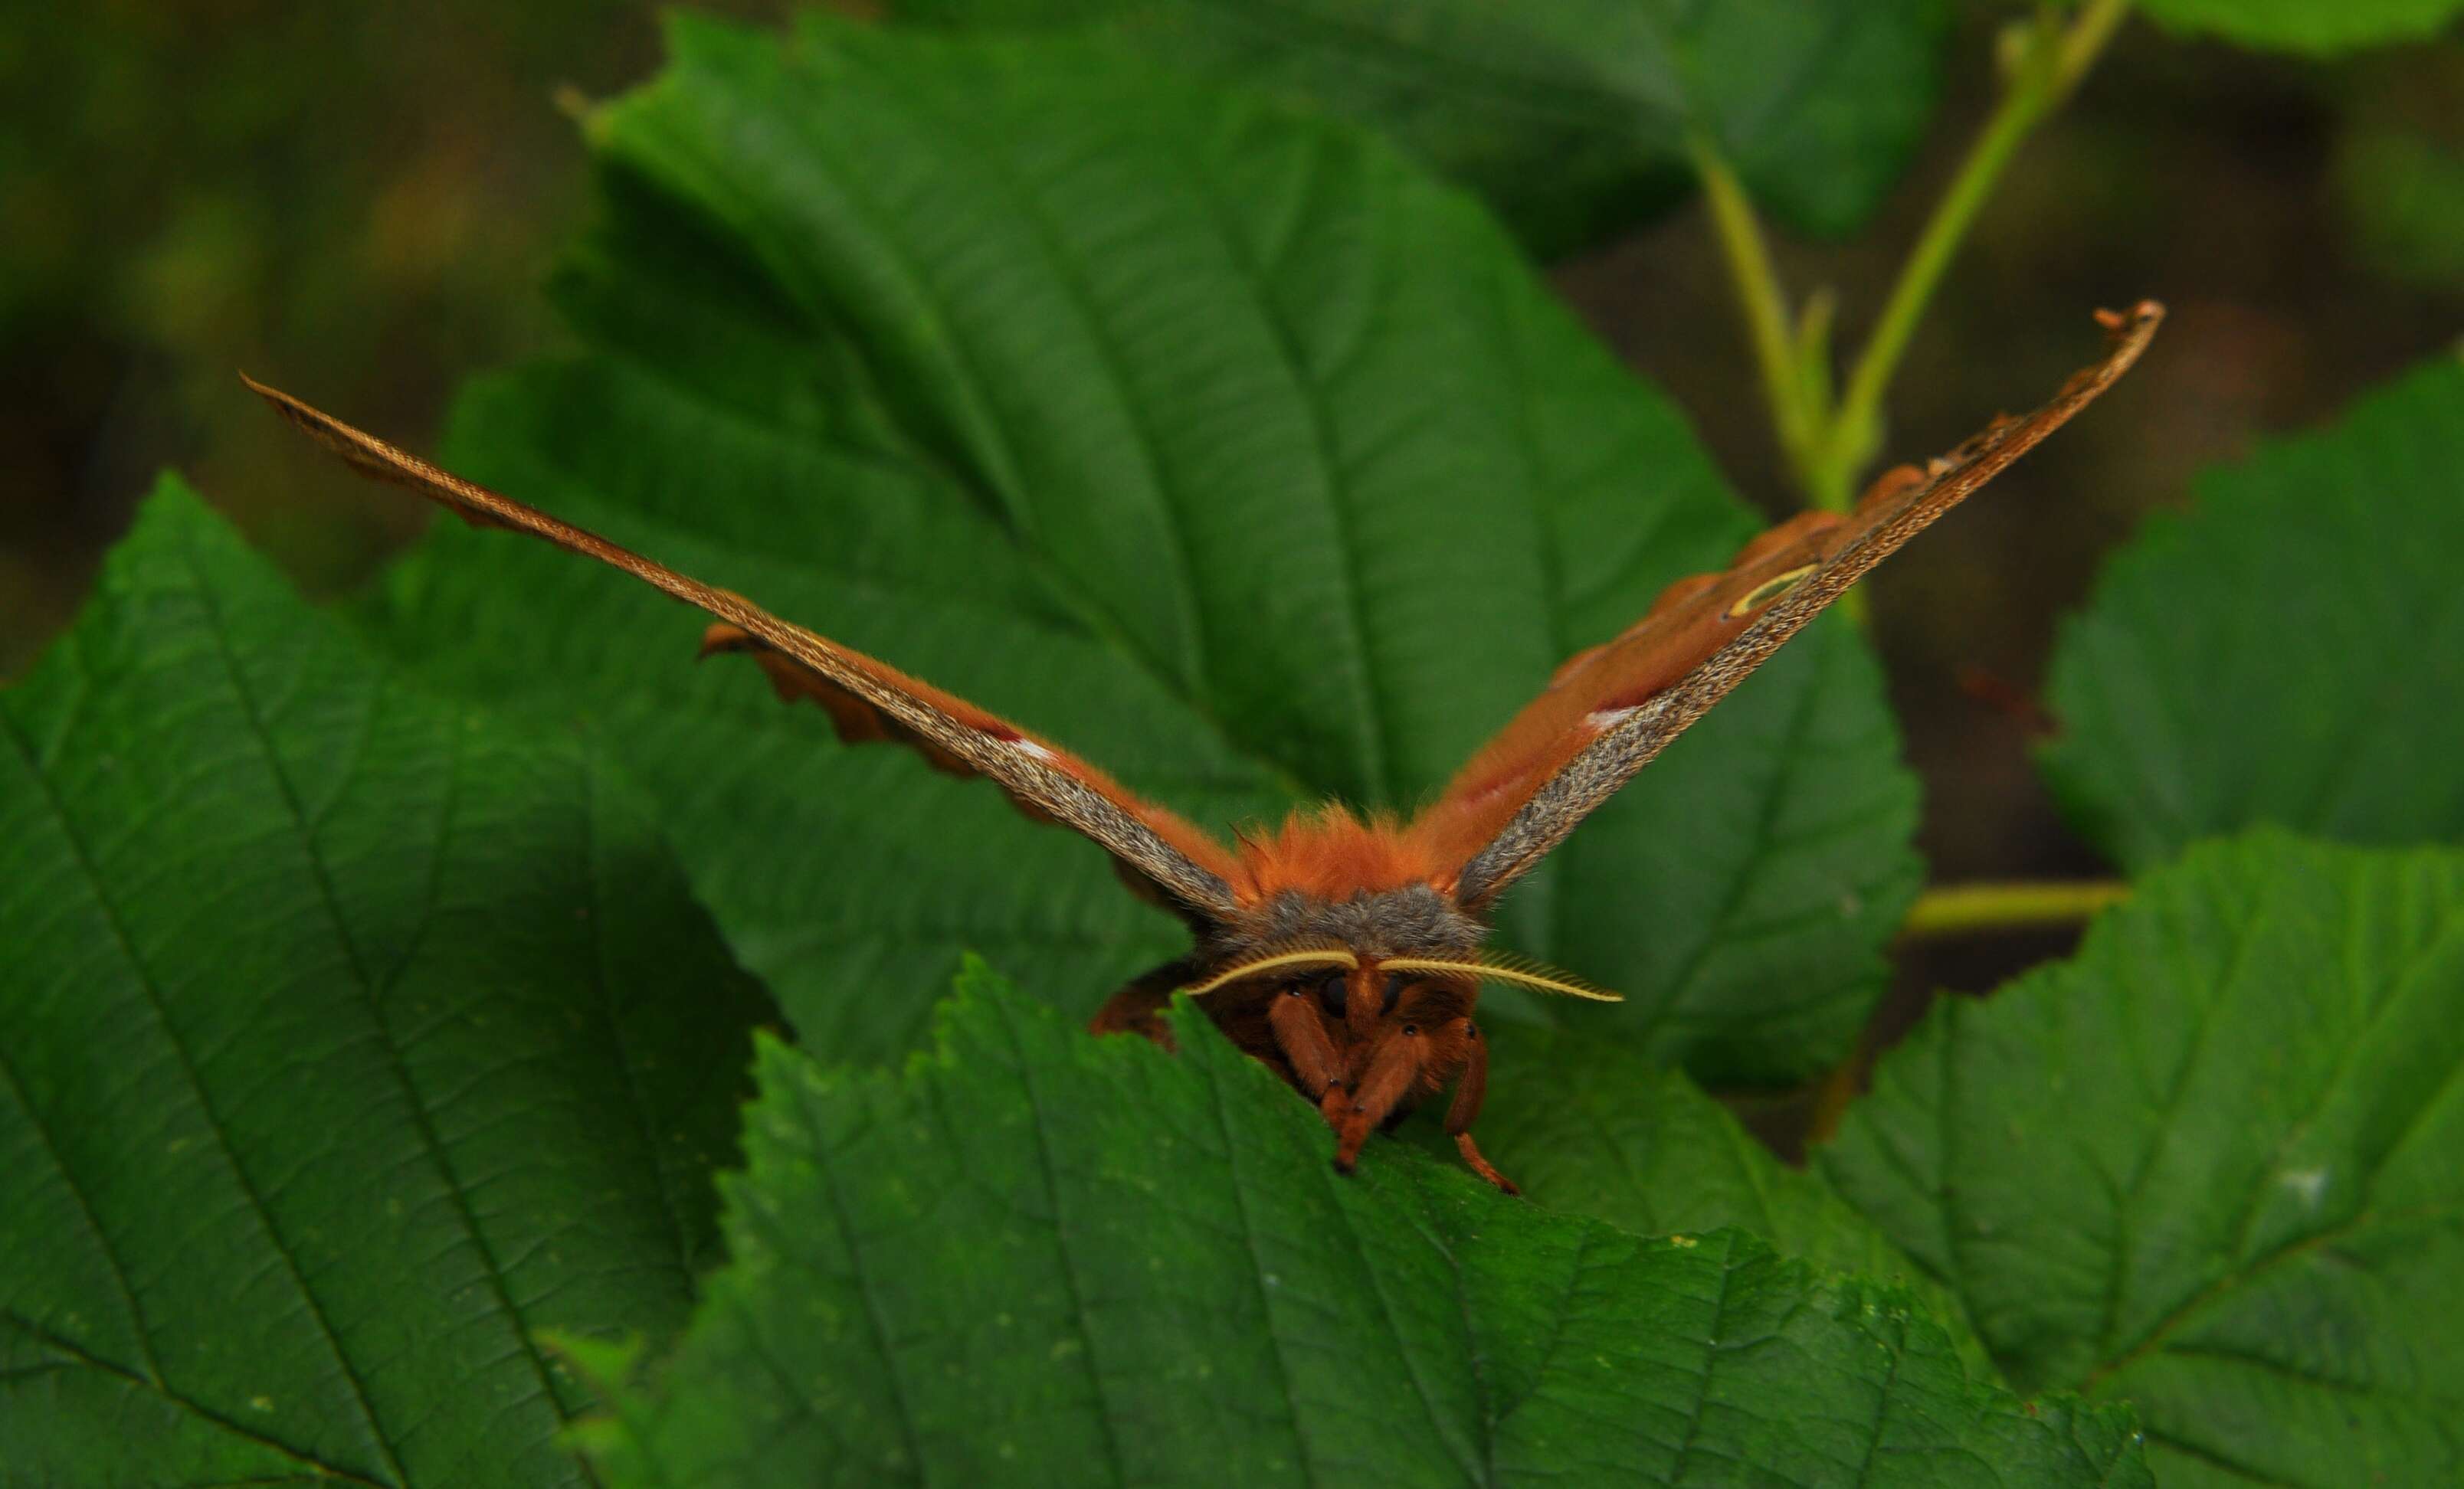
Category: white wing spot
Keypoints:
(1033, 751)
(1610, 718)
(2311, 1184)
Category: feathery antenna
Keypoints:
(1504, 967)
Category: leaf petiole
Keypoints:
(1828, 444)
(2047, 62)
(1763, 301)
(1967, 908)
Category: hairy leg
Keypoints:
(1300, 1033)
(1137, 1008)
(1470, 1090)
(1394, 1068)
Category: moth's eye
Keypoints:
(1393, 992)
(1334, 991)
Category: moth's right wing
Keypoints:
(1610, 710)
(865, 698)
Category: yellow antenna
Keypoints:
(1306, 956)
(1502, 966)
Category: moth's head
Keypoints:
(1369, 962)
(1356, 997)
(1350, 916)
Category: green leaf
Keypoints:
(345, 1041)
(1571, 116)
(2305, 26)
(1217, 443)
(2290, 651)
(2208, 1166)
(1589, 1125)
(1037, 1257)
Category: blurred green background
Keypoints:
(358, 201)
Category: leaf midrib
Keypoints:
(1286, 1387)
(110, 917)
(2156, 1340)
(1750, 865)
(636, 1103)
(414, 1099)
(82, 1359)
(1095, 624)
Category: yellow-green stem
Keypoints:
(2045, 74)
(1760, 297)
(1969, 908)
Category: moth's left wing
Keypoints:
(1610, 710)
(866, 699)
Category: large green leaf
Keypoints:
(345, 1041)
(2307, 26)
(1571, 116)
(2291, 651)
(1216, 442)
(1039, 1257)
(1592, 1127)
(2210, 1166)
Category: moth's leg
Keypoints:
(1481, 1165)
(1138, 1007)
(1300, 1033)
(1471, 1089)
(1392, 1072)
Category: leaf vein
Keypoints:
(251, 1198)
(79, 1358)
(420, 1116)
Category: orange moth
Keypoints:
(1347, 953)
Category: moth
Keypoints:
(1346, 951)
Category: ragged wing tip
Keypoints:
(2146, 313)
